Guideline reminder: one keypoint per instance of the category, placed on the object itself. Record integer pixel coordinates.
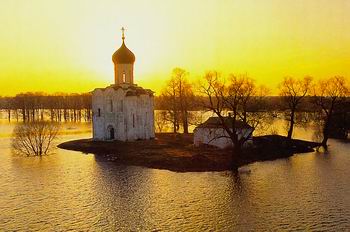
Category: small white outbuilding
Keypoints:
(211, 132)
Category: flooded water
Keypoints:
(74, 191)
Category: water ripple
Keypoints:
(72, 191)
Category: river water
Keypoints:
(75, 191)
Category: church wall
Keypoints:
(130, 102)
(151, 119)
(140, 117)
(109, 112)
(98, 121)
(119, 109)
(131, 117)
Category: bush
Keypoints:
(34, 138)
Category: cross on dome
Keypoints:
(123, 31)
(123, 55)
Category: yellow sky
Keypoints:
(66, 45)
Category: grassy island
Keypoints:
(176, 152)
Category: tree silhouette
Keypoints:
(293, 91)
(329, 94)
(34, 138)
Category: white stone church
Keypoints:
(123, 111)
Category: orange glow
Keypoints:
(66, 46)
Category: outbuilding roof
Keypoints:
(215, 122)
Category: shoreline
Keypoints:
(176, 152)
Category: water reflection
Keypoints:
(75, 191)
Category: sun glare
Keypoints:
(67, 46)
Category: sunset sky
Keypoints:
(66, 46)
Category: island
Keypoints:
(176, 152)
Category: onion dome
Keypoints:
(123, 55)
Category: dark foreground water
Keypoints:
(75, 191)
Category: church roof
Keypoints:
(134, 90)
(215, 122)
(131, 90)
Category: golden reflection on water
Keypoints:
(71, 190)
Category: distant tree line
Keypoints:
(328, 101)
(39, 106)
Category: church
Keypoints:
(123, 111)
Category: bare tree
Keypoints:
(233, 96)
(254, 108)
(177, 98)
(329, 95)
(185, 95)
(160, 120)
(249, 91)
(34, 138)
(293, 91)
(168, 101)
